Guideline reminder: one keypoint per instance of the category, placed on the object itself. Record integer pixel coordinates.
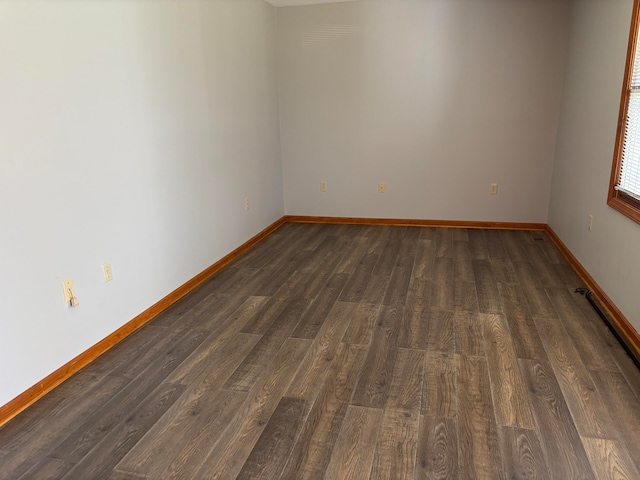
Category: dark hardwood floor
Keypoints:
(339, 351)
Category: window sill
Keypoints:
(625, 207)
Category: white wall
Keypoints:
(130, 132)
(584, 152)
(436, 98)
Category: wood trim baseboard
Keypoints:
(416, 222)
(622, 325)
(30, 396)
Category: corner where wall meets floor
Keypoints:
(622, 326)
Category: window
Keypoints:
(624, 189)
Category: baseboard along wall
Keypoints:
(624, 328)
(619, 322)
(30, 396)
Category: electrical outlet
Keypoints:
(70, 293)
(590, 222)
(68, 289)
(493, 189)
(323, 186)
(381, 187)
(246, 204)
(107, 273)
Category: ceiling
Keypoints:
(288, 3)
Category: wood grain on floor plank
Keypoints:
(593, 352)
(443, 290)
(354, 351)
(522, 454)
(479, 448)
(316, 364)
(565, 454)
(202, 406)
(396, 448)
(609, 459)
(227, 458)
(524, 334)
(442, 331)
(487, 288)
(468, 333)
(587, 408)
(312, 452)
(83, 440)
(439, 390)
(97, 463)
(623, 405)
(437, 456)
(355, 446)
(374, 381)
(511, 405)
(268, 457)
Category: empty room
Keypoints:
(306, 239)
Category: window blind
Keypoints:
(629, 177)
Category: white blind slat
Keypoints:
(629, 177)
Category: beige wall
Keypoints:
(586, 136)
(436, 98)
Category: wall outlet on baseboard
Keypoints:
(590, 222)
(323, 186)
(493, 189)
(381, 187)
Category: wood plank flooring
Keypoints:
(346, 351)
